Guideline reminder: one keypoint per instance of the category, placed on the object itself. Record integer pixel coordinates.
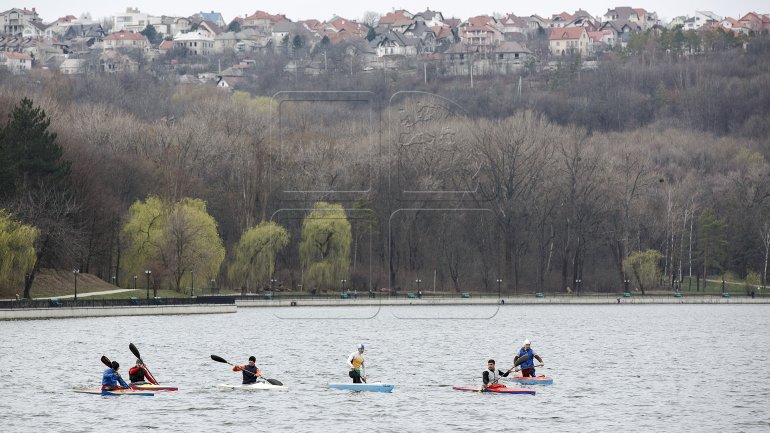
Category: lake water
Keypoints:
(615, 368)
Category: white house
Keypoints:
(16, 62)
(194, 43)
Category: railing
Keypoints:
(131, 302)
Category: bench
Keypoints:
(158, 300)
(411, 295)
(725, 294)
(53, 302)
(539, 295)
(268, 296)
(133, 300)
(344, 295)
(677, 294)
(626, 294)
(466, 295)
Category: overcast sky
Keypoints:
(50, 10)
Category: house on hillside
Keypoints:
(394, 43)
(14, 20)
(17, 63)
(430, 18)
(638, 16)
(755, 22)
(569, 41)
(621, 30)
(194, 43)
(124, 39)
(113, 62)
(700, 19)
(262, 21)
(212, 17)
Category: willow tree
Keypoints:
(17, 251)
(325, 247)
(255, 254)
(644, 266)
(173, 240)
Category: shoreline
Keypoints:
(289, 302)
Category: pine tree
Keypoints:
(28, 151)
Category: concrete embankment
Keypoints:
(74, 312)
(510, 300)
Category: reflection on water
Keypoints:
(615, 367)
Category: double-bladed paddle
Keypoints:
(224, 361)
(135, 351)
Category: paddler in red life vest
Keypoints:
(528, 366)
(111, 378)
(492, 375)
(137, 374)
(356, 364)
(251, 374)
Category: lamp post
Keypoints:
(75, 272)
(134, 282)
(626, 281)
(499, 283)
(192, 283)
(272, 283)
(147, 273)
(212, 285)
(342, 282)
(418, 281)
(113, 280)
(577, 285)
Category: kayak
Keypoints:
(374, 387)
(498, 389)
(151, 387)
(259, 386)
(537, 380)
(121, 391)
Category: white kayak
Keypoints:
(374, 387)
(259, 386)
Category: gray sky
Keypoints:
(50, 10)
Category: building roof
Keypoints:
(567, 33)
(124, 36)
(511, 47)
(17, 56)
(191, 36)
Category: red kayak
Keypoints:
(496, 387)
(151, 388)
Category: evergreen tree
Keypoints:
(152, 35)
(371, 34)
(28, 151)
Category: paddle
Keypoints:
(224, 361)
(135, 351)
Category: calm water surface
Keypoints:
(615, 368)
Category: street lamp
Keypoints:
(212, 285)
(626, 282)
(134, 282)
(75, 272)
(577, 285)
(343, 284)
(499, 282)
(192, 283)
(272, 283)
(147, 273)
(418, 281)
(113, 280)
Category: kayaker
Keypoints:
(356, 364)
(491, 375)
(251, 374)
(528, 366)
(137, 374)
(111, 378)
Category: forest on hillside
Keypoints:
(546, 185)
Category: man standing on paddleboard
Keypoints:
(528, 366)
(356, 364)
